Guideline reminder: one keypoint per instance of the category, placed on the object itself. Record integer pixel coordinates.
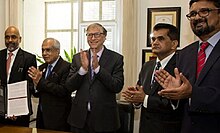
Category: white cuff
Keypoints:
(82, 71)
(145, 101)
(97, 69)
(173, 106)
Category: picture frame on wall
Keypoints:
(147, 55)
(170, 15)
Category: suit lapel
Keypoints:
(213, 57)
(90, 67)
(104, 57)
(169, 68)
(43, 68)
(3, 66)
(102, 61)
(18, 64)
(44, 71)
(56, 67)
(148, 76)
(191, 60)
(194, 60)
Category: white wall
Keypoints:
(186, 35)
(2, 23)
(33, 26)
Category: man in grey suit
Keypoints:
(16, 70)
(158, 114)
(54, 98)
(97, 75)
(201, 87)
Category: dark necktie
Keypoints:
(201, 57)
(92, 70)
(8, 62)
(158, 65)
(49, 70)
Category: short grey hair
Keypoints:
(56, 43)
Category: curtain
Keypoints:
(129, 41)
(13, 14)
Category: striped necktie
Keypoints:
(201, 57)
(49, 70)
(92, 70)
(158, 65)
(8, 62)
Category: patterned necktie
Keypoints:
(92, 70)
(201, 57)
(49, 70)
(8, 62)
(158, 65)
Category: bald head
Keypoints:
(12, 29)
(12, 38)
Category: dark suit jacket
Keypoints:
(54, 98)
(101, 92)
(22, 62)
(204, 110)
(159, 116)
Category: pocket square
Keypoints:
(20, 69)
(54, 74)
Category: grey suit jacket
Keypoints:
(100, 92)
(159, 116)
(204, 110)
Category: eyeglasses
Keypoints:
(203, 12)
(48, 50)
(96, 35)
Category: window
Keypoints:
(67, 21)
(62, 23)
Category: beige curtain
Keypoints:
(13, 14)
(129, 41)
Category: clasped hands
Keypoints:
(175, 88)
(85, 60)
(134, 94)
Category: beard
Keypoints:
(200, 31)
(11, 46)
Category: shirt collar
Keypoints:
(55, 62)
(212, 40)
(14, 52)
(99, 53)
(165, 60)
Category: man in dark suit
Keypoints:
(97, 75)
(158, 114)
(16, 70)
(201, 87)
(49, 79)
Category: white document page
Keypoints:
(17, 99)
